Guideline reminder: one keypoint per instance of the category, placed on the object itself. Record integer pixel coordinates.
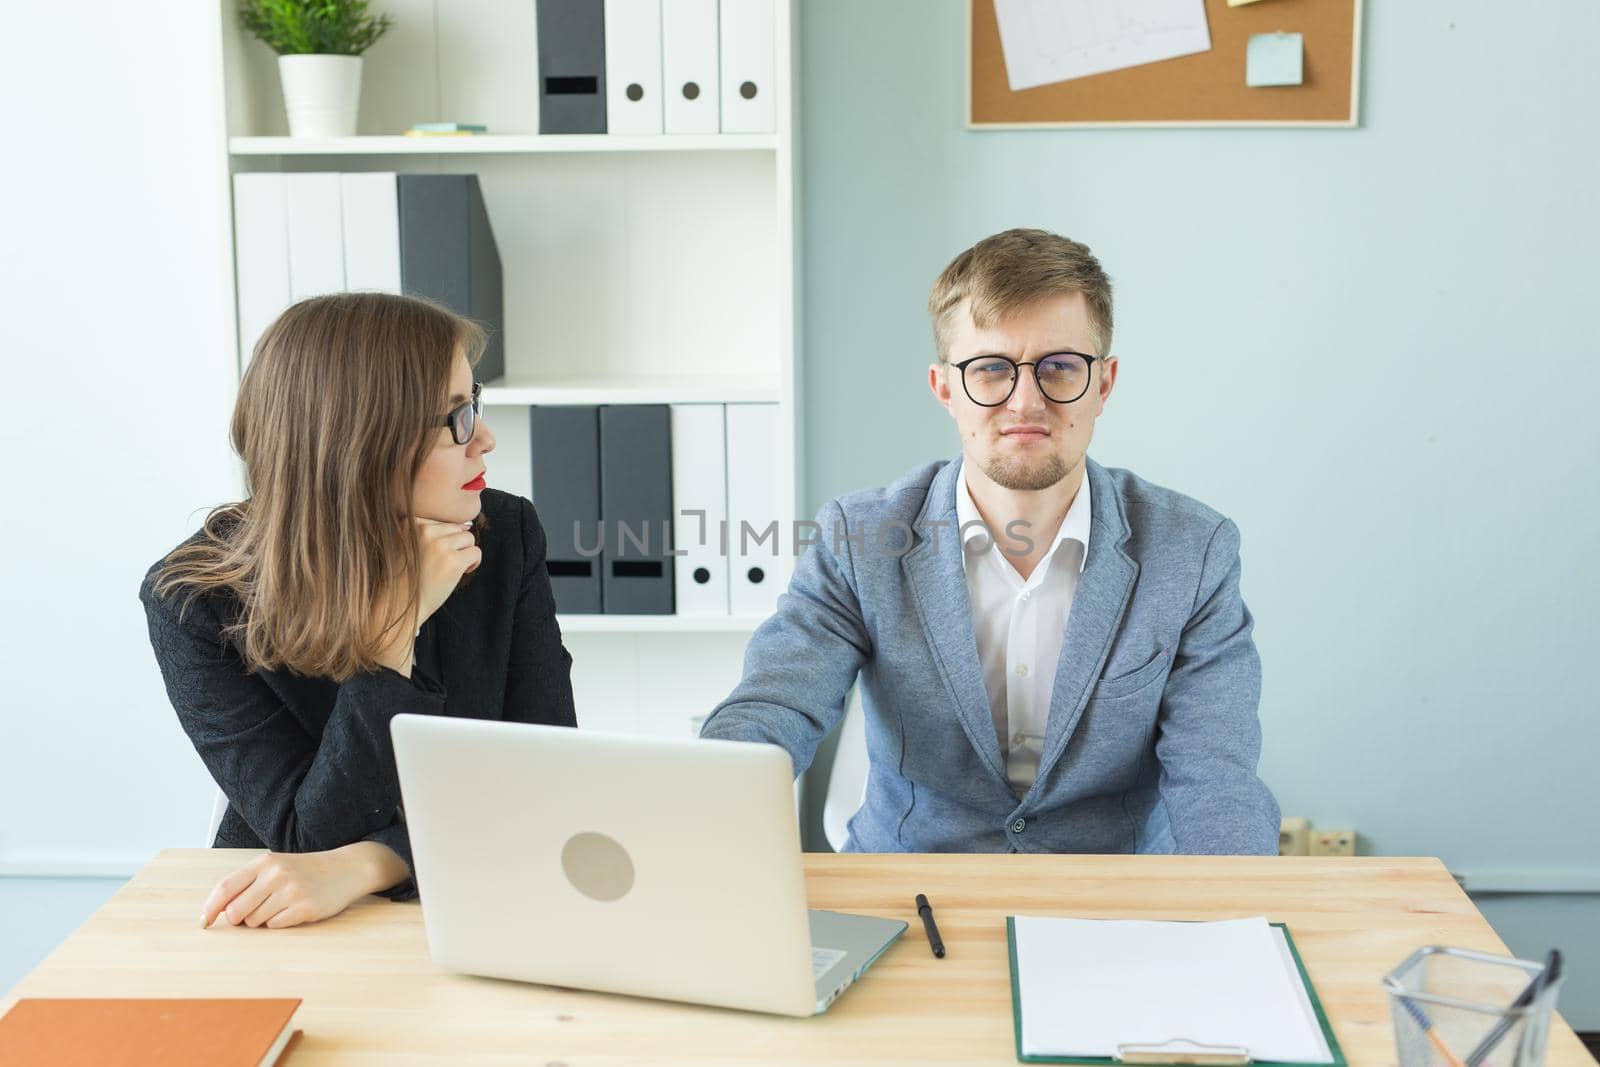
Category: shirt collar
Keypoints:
(1074, 527)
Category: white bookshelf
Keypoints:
(731, 389)
(661, 624)
(493, 144)
(637, 269)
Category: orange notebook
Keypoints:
(133, 1033)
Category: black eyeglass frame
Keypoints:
(467, 413)
(1016, 375)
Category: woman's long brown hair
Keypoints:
(344, 398)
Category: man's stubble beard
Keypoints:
(1027, 477)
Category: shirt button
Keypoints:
(1025, 596)
(1019, 826)
(1022, 670)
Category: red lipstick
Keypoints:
(476, 483)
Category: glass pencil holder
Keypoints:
(1455, 1008)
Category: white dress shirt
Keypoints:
(1020, 623)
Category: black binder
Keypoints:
(572, 66)
(636, 508)
(448, 254)
(566, 491)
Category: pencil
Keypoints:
(1426, 1023)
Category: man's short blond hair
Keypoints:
(1003, 274)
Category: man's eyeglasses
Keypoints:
(1062, 377)
(463, 420)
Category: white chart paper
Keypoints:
(1057, 40)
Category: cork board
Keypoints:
(1206, 89)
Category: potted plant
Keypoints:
(319, 45)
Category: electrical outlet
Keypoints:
(1333, 843)
(1294, 836)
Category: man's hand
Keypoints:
(279, 889)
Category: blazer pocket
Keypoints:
(1134, 680)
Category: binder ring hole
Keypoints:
(756, 574)
(635, 92)
(748, 90)
(691, 90)
(701, 576)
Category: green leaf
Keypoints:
(314, 27)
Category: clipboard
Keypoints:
(1177, 1052)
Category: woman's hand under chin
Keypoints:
(279, 889)
(447, 550)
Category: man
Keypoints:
(1053, 656)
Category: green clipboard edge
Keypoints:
(1311, 991)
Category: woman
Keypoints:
(295, 624)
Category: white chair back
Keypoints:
(219, 808)
(847, 782)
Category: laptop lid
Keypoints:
(655, 867)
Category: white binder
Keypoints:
(749, 98)
(316, 235)
(756, 574)
(261, 255)
(633, 66)
(689, 66)
(371, 210)
(699, 484)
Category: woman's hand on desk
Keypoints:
(280, 889)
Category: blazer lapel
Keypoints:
(456, 653)
(939, 585)
(435, 633)
(473, 655)
(1097, 608)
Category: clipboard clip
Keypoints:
(1180, 1050)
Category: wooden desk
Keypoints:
(372, 996)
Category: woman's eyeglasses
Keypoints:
(463, 420)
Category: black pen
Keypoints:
(1550, 972)
(925, 910)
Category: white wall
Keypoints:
(115, 325)
(36, 914)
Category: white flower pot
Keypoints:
(321, 93)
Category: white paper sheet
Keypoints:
(1056, 40)
(1089, 985)
(1301, 995)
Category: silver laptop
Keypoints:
(655, 867)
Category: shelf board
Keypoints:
(512, 392)
(658, 624)
(500, 143)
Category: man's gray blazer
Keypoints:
(1152, 738)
